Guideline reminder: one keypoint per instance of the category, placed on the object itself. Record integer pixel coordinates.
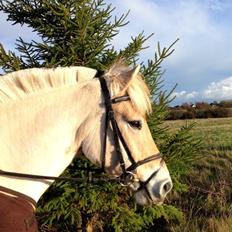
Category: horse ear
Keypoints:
(125, 78)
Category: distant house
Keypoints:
(214, 105)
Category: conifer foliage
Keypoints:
(72, 32)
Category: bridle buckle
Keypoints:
(127, 178)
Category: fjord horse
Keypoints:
(48, 115)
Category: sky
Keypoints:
(202, 62)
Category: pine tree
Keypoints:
(75, 32)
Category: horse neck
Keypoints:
(46, 138)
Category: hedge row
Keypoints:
(192, 113)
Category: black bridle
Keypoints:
(127, 176)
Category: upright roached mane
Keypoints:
(19, 84)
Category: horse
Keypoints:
(49, 116)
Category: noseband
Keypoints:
(127, 176)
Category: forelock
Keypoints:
(138, 90)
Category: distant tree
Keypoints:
(225, 104)
(202, 105)
(75, 32)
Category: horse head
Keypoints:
(123, 144)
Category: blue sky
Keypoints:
(202, 62)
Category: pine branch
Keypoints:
(29, 54)
(131, 53)
(9, 61)
(72, 32)
(152, 71)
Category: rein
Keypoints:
(89, 178)
(127, 176)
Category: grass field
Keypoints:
(215, 132)
(208, 203)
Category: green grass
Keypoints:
(215, 132)
(208, 202)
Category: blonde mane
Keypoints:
(17, 85)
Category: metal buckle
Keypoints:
(111, 114)
(127, 179)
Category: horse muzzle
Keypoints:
(155, 189)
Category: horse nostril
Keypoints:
(167, 186)
(160, 190)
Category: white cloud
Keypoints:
(185, 95)
(221, 90)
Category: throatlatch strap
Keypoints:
(108, 107)
(105, 93)
(110, 116)
(103, 156)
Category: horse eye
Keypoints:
(136, 124)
